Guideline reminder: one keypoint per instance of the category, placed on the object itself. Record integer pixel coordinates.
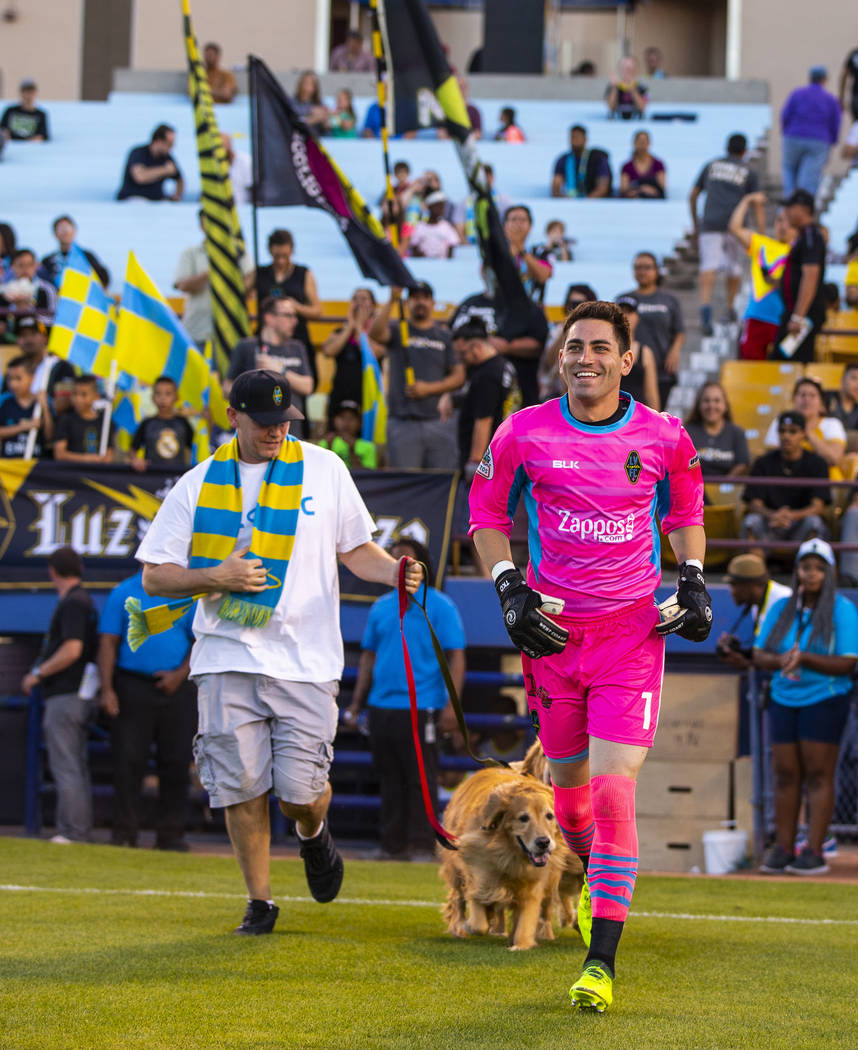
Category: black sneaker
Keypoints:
(807, 863)
(775, 861)
(323, 865)
(259, 918)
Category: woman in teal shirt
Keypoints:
(810, 642)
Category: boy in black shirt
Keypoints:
(78, 438)
(25, 122)
(803, 282)
(17, 409)
(166, 438)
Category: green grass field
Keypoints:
(125, 968)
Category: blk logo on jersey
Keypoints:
(633, 467)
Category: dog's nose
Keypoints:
(542, 843)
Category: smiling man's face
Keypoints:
(593, 366)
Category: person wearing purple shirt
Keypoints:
(810, 125)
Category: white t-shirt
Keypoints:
(434, 239)
(302, 640)
(829, 428)
(197, 315)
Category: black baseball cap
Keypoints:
(30, 321)
(791, 418)
(265, 396)
(473, 328)
(800, 197)
(421, 288)
(629, 301)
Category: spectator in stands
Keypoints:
(51, 374)
(434, 237)
(556, 247)
(508, 131)
(474, 115)
(463, 216)
(808, 641)
(344, 438)
(824, 434)
(849, 76)
(395, 225)
(344, 346)
(803, 281)
(849, 149)
(654, 63)
(551, 383)
(581, 172)
(285, 279)
(755, 592)
(643, 175)
(8, 243)
(148, 168)
(147, 695)
(221, 82)
(61, 672)
(626, 95)
(810, 125)
(352, 56)
(192, 279)
(165, 439)
(18, 415)
(25, 122)
(240, 171)
(779, 512)
(831, 291)
(27, 294)
(842, 404)
(276, 349)
(642, 381)
(482, 305)
(308, 101)
(768, 257)
(534, 265)
(401, 178)
(660, 326)
(490, 394)
(341, 122)
(417, 376)
(53, 266)
(78, 433)
(381, 684)
(852, 285)
(725, 181)
(413, 199)
(721, 444)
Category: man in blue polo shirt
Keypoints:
(149, 698)
(404, 830)
(148, 167)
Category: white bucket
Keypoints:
(724, 850)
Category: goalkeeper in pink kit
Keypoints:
(595, 470)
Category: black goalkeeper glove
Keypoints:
(528, 627)
(688, 613)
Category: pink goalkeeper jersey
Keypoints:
(592, 496)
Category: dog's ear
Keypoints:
(496, 807)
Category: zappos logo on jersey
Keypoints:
(486, 469)
(633, 467)
(603, 530)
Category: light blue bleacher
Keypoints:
(79, 172)
(841, 218)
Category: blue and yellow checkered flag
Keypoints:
(373, 407)
(84, 328)
(151, 341)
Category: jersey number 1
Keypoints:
(647, 699)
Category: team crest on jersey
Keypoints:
(486, 469)
(633, 467)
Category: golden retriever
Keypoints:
(535, 764)
(510, 855)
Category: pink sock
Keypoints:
(574, 812)
(614, 856)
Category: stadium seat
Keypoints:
(827, 372)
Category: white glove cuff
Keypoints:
(499, 567)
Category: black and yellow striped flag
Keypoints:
(224, 242)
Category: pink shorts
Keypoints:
(606, 683)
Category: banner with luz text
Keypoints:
(104, 511)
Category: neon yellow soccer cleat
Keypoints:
(585, 914)
(594, 989)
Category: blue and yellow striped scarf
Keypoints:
(217, 520)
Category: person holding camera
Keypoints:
(754, 591)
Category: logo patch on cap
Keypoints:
(278, 396)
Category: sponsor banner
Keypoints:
(103, 512)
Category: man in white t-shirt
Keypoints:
(434, 237)
(267, 695)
